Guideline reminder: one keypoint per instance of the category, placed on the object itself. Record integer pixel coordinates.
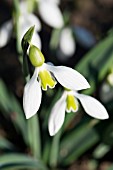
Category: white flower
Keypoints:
(66, 43)
(26, 20)
(68, 102)
(50, 13)
(42, 77)
(5, 33)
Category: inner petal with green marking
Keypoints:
(71, 103)
(46, 79)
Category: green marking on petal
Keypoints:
(72, 103)
(46, 80)
(36, 57)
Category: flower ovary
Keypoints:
(36, 57)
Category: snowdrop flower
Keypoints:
(68, 102)
(67, 44)
(5, 33)
(50, 13)
(26, 20)
(43, 77)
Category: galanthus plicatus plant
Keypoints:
(42, 77)
(68, 102)
(46, 75)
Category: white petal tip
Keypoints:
(93, 107)
(52, 133)
(28, 117)
(105, 116)
(84, 86)
(52, 130)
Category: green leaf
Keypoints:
(93, 60)
(10, 108)
(5, 144)
(104, 61)
(76, 142)
(101, 150)
(20, 161)
(94, 54)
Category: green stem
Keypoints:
(34, 136)
(16, 16)
(55, 150)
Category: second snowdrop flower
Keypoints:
(68, 102)
(42, 77)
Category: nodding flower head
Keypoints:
(68, 102)
(46, 75)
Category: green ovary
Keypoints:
(36, 57)
(46, 80)
(72, 104)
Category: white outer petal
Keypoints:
(32, 96)
(67, 43)
(5, 33)
(51, 14)
(92, 106)
(68, 77)
(57, 116)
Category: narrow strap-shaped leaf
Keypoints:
(10, 107)
(20, 161)
(77, 142)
